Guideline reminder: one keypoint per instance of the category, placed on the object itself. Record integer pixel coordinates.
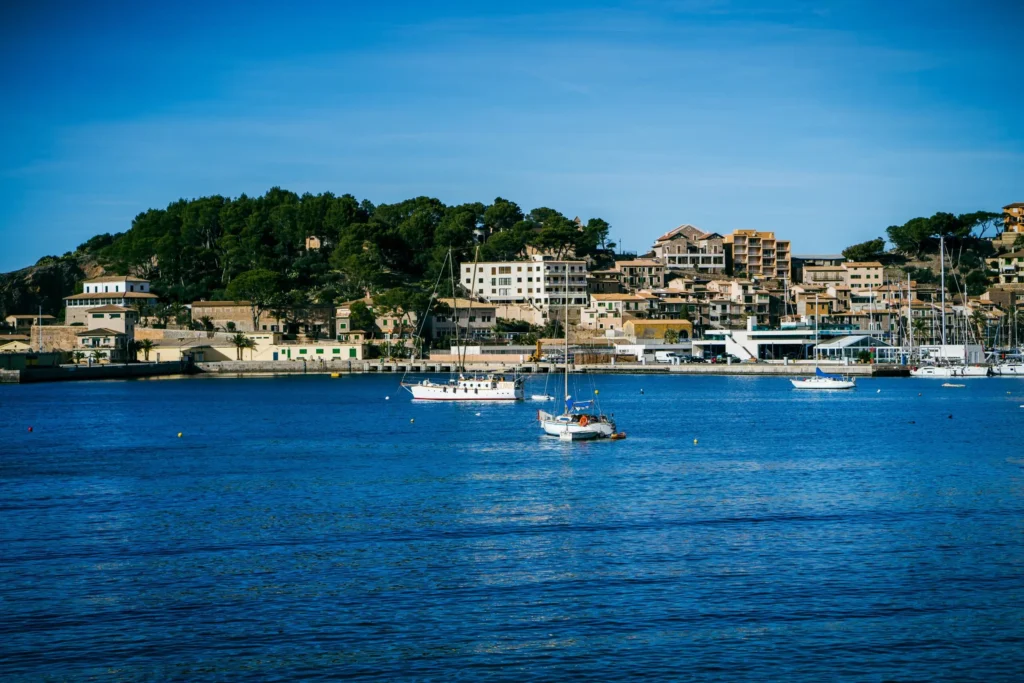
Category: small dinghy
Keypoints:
(953, 386)
(542, 397)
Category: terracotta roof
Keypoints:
(639, 262)
(30, 317)
(109, 309)
(1015, 205)
(689, 230)
(98, 332)
(617, 297)
(110, 295)
(114, 278)
(862, 264)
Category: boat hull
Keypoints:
(821, 384)
(1009, 369)
(945, 372)
(568, 430)
(467, 391)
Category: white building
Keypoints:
(539, 282)
(109, 290)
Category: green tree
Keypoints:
(671, 336)
(77, 357)
(362, 318)
(260, 288)
(865, 251)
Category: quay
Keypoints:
(67, 373)
(244, 368)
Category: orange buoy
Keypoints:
(30, 429)
(584, 421)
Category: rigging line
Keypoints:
(426, 313)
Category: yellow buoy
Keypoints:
(335, 375)
(596, 392)
(179, 435)
(695, 442)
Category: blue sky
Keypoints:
(823, 121)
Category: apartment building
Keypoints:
(641, 274)
(1010, 267)
(758, 254)
(607, 311)
(1013, 217)
(690, 248)
(540, 282)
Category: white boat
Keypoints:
(1009, 369)
(823, 380)
(542, 397)
(947, 371)
(478, 388)
(953, 386)
(577, 422)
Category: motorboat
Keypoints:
(472, 388)
(542, 397)
(824, 380)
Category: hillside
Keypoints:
(310, 248)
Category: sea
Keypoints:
(309, 528)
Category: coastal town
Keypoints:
(695, 298)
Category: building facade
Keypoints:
(109, 290)
(540, 282)
(690, 248)
(758, 254)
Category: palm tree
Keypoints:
(920, 327)
(78, 357)
(979, 320)
(671, 337)
(145, 345)
(240, 341)
(96, 355)
(207, 323)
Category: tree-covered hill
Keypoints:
(194, 249)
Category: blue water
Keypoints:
(306, 528)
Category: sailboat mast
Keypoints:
(942, 262)
(817, 312)
(565, 323)
(910, 319)
(455, 310)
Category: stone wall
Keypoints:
(56, 337)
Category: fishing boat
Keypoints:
(580, 420)
(824, 380)
(488, 387)
(473, 388)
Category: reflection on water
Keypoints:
(305, 528)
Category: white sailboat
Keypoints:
(822, 380)
(948, 370)
(577, 421)
(490, 387)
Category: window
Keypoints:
(302, 350)
(342, 325)
(351, 353)
(97, 315)
(505, 270)
(320, 351)
(115, 315)
(504, 281)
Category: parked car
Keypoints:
(667, 357)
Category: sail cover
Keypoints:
(819, 373)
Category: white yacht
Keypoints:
(823, 380)
(947, 371)
(478, 388)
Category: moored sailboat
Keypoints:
(578, 421)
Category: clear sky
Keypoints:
(823, 121)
